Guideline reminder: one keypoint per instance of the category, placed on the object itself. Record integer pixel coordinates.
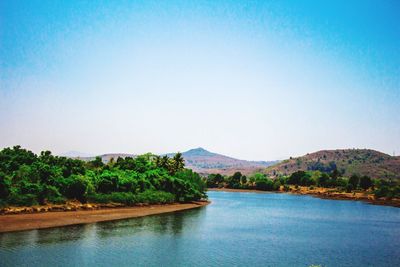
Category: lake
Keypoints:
(237, 229)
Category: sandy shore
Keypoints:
(324, 193)
(20, 222)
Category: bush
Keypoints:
(108, 182)
(215, 180)
(277, 185)
(264, 184)
(50, 194)
(77, 187)
(23, 200)
(3, 204)
(322, 181)
(286, 188)
(296, 177)
(155, 197)
(148, 197)
(349, 187)
(116, 197)
(354, 180)
(386, 191)
(5, 186)
(365, 182)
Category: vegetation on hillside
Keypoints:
(28, 179)
(347, 161)
(379, 187)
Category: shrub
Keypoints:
(349, 187)
(354, 180)
(365, 182)
(23, 200)
(108, 182)
(77, 187)
(116, 197)
(286, 188)
(50, 194)
(382, 191)
(5, 186)
(149, 197)
(155, 197)
(264, 184)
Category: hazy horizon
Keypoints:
(74, 153)
(260, 80)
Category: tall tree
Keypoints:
(178, 163)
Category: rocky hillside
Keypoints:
(206, 162)
(348, 161)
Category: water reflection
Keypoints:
(237, 229)
(170, 223)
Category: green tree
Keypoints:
(354, 180)
(77, 187)
(5, 186)
(264, 184)
(234, 180)
(97, 162)
(108, 182)
(365, 182)
(322, 181)
(295, 178)
(178, 163)
(215, 180)
(243, 180)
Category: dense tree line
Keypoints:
(334, 179)
(29, 179)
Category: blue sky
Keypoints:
(256, 80)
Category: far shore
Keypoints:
(324, 193)
(30, 221)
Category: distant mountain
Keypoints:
(206, 162)
(75, 154)
(105, 157)
(348, 161)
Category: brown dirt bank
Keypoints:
(29, 221)
(325, 193)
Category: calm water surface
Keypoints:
(237, 229)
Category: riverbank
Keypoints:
(324, 193)
(30, 221)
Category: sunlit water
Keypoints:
(237, 229)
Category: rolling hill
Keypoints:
(348, 161)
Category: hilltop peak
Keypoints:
(198, 152)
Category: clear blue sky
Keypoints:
(256, 80)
